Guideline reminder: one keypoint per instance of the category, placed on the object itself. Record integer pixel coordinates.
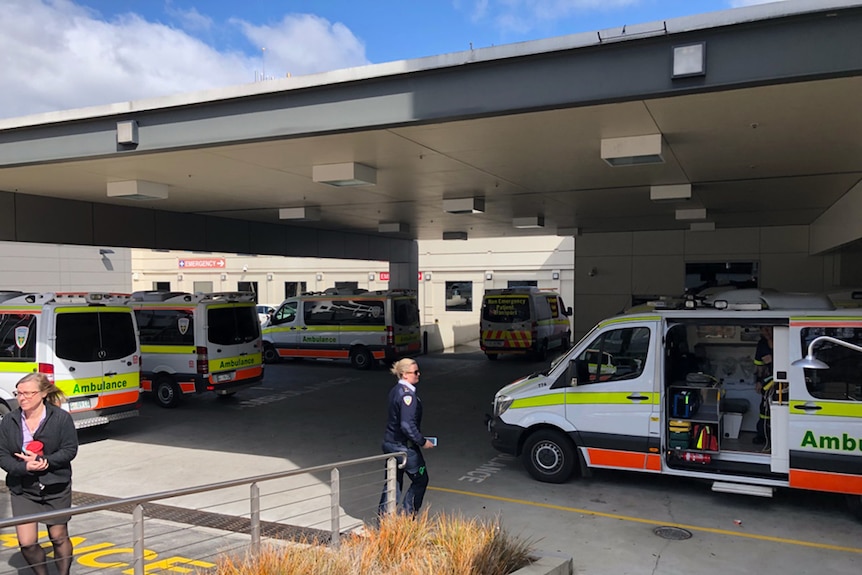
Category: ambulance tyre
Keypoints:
(270, 354)
(361, 358)
(549, 456)
(166, 392)
(491, 356)
(855, 504)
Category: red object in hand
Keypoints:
(35, 447)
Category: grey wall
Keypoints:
(654, 263)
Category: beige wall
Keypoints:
(654, 263)
(54, 267)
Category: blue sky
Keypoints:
(63, 54)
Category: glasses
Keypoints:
(26, 393)
(412, 372)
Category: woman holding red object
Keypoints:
(38, 442)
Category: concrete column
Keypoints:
(404, 267)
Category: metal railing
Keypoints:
(282, 499)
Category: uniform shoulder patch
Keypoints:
(408, 399)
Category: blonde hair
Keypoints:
(55, 395)
(400, 366)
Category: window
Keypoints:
(17, 337)
(522, 283)
(232, 325)
(406, 311)
(843, 379)
(202, 287)
(358, 312)
(248, 287)
(95, 336)
(701, 276)
(285, 314)
(293, 289)
(459, 296)
(506, 309)
(166, 326)
(614, 355)
(161, 286)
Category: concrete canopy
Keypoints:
(769, 135)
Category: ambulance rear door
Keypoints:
(616, 407)
(96, 356)
(234, 347)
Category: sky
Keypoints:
(65, 54)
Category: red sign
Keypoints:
(202, 263)
(384, 276)
(420, 276)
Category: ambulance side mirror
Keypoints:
(568, 312)
(578, 372)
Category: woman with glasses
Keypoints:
(403, 434)
(38, 442)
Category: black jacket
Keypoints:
(404, 417)
(56, 432)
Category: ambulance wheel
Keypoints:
(491, 356)
(361, 358)
(549, 456)
(855, 504)
(166, 392)
(270, 354)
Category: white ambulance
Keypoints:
(360, 326)
(87, 343)
(523, 320)
(195, 343)
(680, 398)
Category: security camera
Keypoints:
(245, 268)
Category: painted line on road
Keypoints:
(651, 521)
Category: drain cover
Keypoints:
(673, 533)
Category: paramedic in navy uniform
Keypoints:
(403, 434)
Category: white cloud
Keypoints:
(520, 16)
(56, 55)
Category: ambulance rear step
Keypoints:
(742, 489)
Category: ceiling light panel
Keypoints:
(349, 174)
(464, 206)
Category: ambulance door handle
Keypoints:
(72, 368)
(807, 407)
(634, 397)
(111, 374)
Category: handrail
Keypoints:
(392, 459)
(80, 510)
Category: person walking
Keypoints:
(38, 442)
(403, 433)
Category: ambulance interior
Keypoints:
(711, 365)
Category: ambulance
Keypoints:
(523, 320)
(87, 343)
(680, 397)
(364, 327)
(198, 343)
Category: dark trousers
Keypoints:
(415, 470)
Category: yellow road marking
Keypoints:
(652, 521)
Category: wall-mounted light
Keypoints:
(127, 132)
(670, 193)
(529, 222)
(427, 276)
(489, 276)
(633, 150)
(344, 175)
(137, 190)
(179, 277)
(555, 275)
(464, 206)
(301, 214)
(392, 227)
(454, 235)
(135, 276)
(223, 277)
(269, 277)
(319, 277)
(371, 276)
(701, 227)
(689, 60)
(691, 214)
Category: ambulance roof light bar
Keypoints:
(811, 362)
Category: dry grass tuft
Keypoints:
(400, 545)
